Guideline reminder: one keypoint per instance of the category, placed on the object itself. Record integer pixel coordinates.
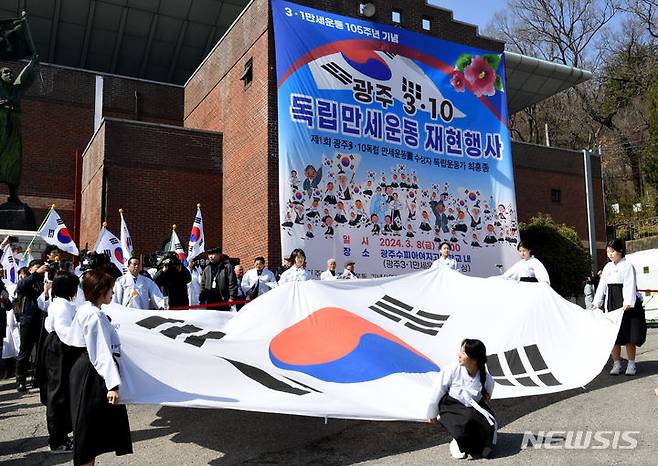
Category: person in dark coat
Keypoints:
(218, 281)
(172, 278)
(31, 320)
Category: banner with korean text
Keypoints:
(390, 142)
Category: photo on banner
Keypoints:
(390, 142)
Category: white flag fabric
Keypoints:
(176, 246)
(12, 342)
(126, 240)
(361, 349)
(197, 241)
(109, 244)
(9, 270)
(54, 232)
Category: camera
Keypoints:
(169, 260)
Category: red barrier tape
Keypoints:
(206, 306)
(648, 291)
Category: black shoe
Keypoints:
(21, 387)
(64, 448)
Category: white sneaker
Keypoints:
(455, 451)
(630, 369)
(616, 368)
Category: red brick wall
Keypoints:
(157, 174)
(538, 170)
(216, 99)
(58, 119)
(92, 190)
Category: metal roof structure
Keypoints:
(159, 40)
(531, 80)
(166, 40)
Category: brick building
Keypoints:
(186, 144)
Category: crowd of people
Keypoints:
(59, 310)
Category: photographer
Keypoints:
(31, 320)
(172, 278)
(218, 282)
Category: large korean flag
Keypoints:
(366, 349)
(54, 231)
(109, 244)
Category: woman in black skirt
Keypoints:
(100, 424)
(58, 358)
(460, 398)
(618, 289)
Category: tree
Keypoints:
(561, 251)
(611, 108)
(650, 159)
(647, 11)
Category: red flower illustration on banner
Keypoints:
(478, 73)
(481, 77)
(457, 81)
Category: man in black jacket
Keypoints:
(218, 282)
(31, 320)
(172, 278)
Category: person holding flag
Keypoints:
(137, 291)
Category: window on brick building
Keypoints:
(248, 73)
(556, 195)
(427, 24)
(396, 16)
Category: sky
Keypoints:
(478, 12)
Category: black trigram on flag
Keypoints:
(197, 220)
(51, 233)
(390, 55)
(521, 367)
(59, 221)
(419, 321)
(337, 72)
(114, 241)
(254, 373)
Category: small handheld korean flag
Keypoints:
(9, 272)
(27, 258)
(109, 244)
(176, 246)
(53, 231)
(126, 240)
(197, 240)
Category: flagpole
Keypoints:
(29, 246)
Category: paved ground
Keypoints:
(180, 436)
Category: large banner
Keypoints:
(390, 142)
(368, 349)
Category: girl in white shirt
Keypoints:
(59, 357)
(100, 424)
(444, 260)
(618, 289)
(460, 397)
(528, 269)
(298, 272)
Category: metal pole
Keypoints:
(589, 196)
